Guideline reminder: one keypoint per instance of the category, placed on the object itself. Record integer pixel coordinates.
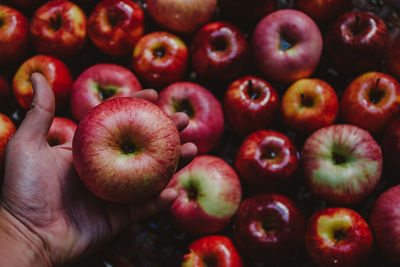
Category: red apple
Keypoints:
(7, 130)
(206, 118)
(181, 16)
(58, 28)
(209, 194)
(160, 58)
(213, 250)
(287, 46)
(342, 163)
(393, 58)
(370, 101)
(114, 26)
(56, 74)
(61, 131)
(126, 150)
(338, 237)
(13, 35)
(324, 11)
(98, 83)
(269, 228)
(309, 104)
(219, 52)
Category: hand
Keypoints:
(42, 191)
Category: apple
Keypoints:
(7, 130)
(356, 42)
(114, 26)
(342, 163)
(181, 16)
(338, 237)
(61, 131)
(269, 228)
(159, 59)
(99, 83)
(391, 144)
(287, 46)
(54, 70)
(58, 28)
(126, 150)
(370, 101)
(324, 11)
(309, 104)
(13, 35)
(215, 250)
(219, 52)
(206, 118)
(209, 194)
(393, 57)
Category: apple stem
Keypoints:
(56, 22)
(377, 83)
(251, 91)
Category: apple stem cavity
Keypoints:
(192, 192)
(128, 148)
(114, 18)
(159, 52)
(219, 44)
(376, 95)
(339, 235)
(210, 261)
(254, 93)
(56, 22)
(338, 158)
(285, 43)
(105, 92)
(184, 106)
(307, 101)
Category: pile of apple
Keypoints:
(294, 109)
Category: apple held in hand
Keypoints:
(324, 11)
(7, 130)
(61, 131)
(99, 83)
(126, 150)
(338, 237)
(342, 164)
(209, 194)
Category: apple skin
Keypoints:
(220, 52)
(269, 228)
(206, 118)
(370, 101)
(356, 42)
(126, 150)
(160, 58)
(61, 131)
(324, 11)
(54, 70)
(267, 161)
(393, 58)
(58, 28)
(98, 83)
(209, 194)
(13, 35)
(385, 221)
(181, 16)
(338, 237)
(213, 250)
(114, 26)
(279, 61)
(309, 104)
(342, 163)
(391, 144)
(7, 130)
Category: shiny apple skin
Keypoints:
(212, 249)
(54, 70)
(324, 11)
(7, 130)
(278, 213)
(350, 53)
(118, 39)
(61, 131)
(14, 29)
(393, 58)
(304, 118)
(155, 70)
(326, 250)
(267, 161)
(358, 108)
(64, 41)
(220, 52)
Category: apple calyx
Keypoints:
(56, 22)
(192, 189)
(185, 106)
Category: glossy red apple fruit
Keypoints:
(126, 150)
(216, 250)
(370, 101)
(99, 83)
(7, 130)
(58, 28)
(61, 131)
(309, 104)
(219, 52)
(324, 11)
(181, 16)
(13, 35)
(114, 26)
(342, 163)
(206, 118)
(159, 59)
(356, 42)
(269, 228)
(209, 194)
(54, 70)
(393, 57)
(338, 237)
(267, 161)
(287, 46)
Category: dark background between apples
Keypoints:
(155, 242)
